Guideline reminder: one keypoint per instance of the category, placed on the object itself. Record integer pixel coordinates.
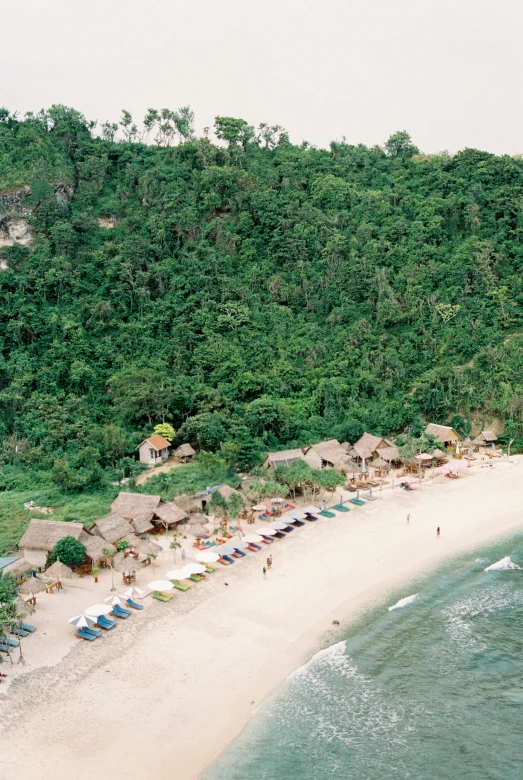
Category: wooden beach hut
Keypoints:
(41, 538)
(185, 453)
(326, 454)
(133, 505)
(444, 434)
(282, 458)
(111, 527)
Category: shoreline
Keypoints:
(165, 695)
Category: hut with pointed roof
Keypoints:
(95, 546)
(486, 439)
(282, 458)
(111, 528)
(41, 538)
(169, 515)
(154, 450)
(444, 434)
(370, 447)
(184, 453)
(326, 454)
(133, 505)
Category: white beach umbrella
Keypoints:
(98, 609)
(266, 531)
(194, 568)
(227, 549)
(160, 585)
(207, 556)
(278, 500)
(133, 593)
(259, 507)
(115, 601)
(82, 621)
(296, 515)
(175, 574)
(253, 538)
(240, 544)
(279, 525)
(312, 510)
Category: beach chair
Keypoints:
(18, 631)
(84, 635)
(90, 630)
(313, 518)
(241, 554)
(133, 604)
(266, 539)
(209, 569)
(299, 523)
(357, 501)
(196, 578)
(228, 558)
(27, 627)
(253, 547)
(121, 613)
(161, 596)
(342, 507)
(4, 648)
(180, 585)
(105, 623)
(326, 513)
(11, 642)
(223, 562)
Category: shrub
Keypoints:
(69, 550)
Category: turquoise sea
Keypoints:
(431, 689)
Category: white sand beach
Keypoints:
(161, 695)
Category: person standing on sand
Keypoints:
(264, 573)
(437, 532)
(408, 519)
(269, 562)
(184, 554)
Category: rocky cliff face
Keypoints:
(13, 202)
(14, 230)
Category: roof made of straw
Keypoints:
(94, 546)
(489, 435)
(389, 453)
(112, 527)
(142, 524)
(19, 567)
(187, 503)
(379, 463)
(44, 534)
(185, 451)
(32, 585)
(226, 491)
(284, 457)
(330, 451)
(170, 513)
(58, 570)
(131, 505)
(442, 433)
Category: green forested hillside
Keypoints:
(253, 292)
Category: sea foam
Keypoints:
(404, 602)
(504, 563)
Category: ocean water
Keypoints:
(428, 686)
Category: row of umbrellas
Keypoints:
(89, 616)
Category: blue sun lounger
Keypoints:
(357, 501)
(104, 622)
(240, 552)
(84, 635)
(133, 604)
(11, 642)
(311, 517)
(121, 613)
(18, 631)
(326, 513)
(4, 648)
(342, 507)
(27, 627)
(228, 559)
(267, 539)
(91, 630)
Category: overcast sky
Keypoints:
(448, 71)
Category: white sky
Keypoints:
(448, 71)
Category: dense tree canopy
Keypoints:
(253, 292)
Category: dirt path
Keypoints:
(169, 464)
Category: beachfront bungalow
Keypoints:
(282, 458)
(111, 527)
(41, 538)
(169, 515)
(153, 450)
(369, 449)
(326, 454)
(17, 568)
(184, 453)
(133, 505)
(188, 503)
(143, 523)
(444, 434)
(95, 546)
(486, 439)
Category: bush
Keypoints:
(69, 551)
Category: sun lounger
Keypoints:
(222, 560)
(4, 648)
(297, 523)
(18, 631)
(196, 577)
(236, 554)
(253, 547)
(343, 508)
(133, 604)
(228, 558)
(94, 631)
(84, 635)
(180, 585)
(240, 553)
(105, 622)
(266, 539)
(357, 501)
(27, 627)
(161, 596)
(209, 569)
(311, 517)
(325, 513)
(10, 642)
(123, 614)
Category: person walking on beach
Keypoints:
(270, 560)
(269, 563)
(408, 519)
(437, 532)
(264, 573)
(184, 554)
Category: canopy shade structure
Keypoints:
(126, 565)
(133, 593)
(58, 570)
(277, 500)
(98, 609)
(266, 531)
(259, 507)
(239, 544)
(253, 538)
(115, 601)
(207, 557)
(175, 574)
(194, 568)
(311, 509)
(82, 621)
(32, 585)
(160, 585)
(279, 525)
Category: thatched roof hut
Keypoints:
(326, 453)
(142, 524)
(58, 570)
(185, 453)
(198, 530)
(18, 568)
(443, 434)
(126, 565)
(198, 518)
(112, 527)
(132, 505)
(226, 491)
(283, 458)
(187, 503)
(94, 546)
(32, 585)
(41, 538)
(379, 463)
(369, 445)
(170, 514)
